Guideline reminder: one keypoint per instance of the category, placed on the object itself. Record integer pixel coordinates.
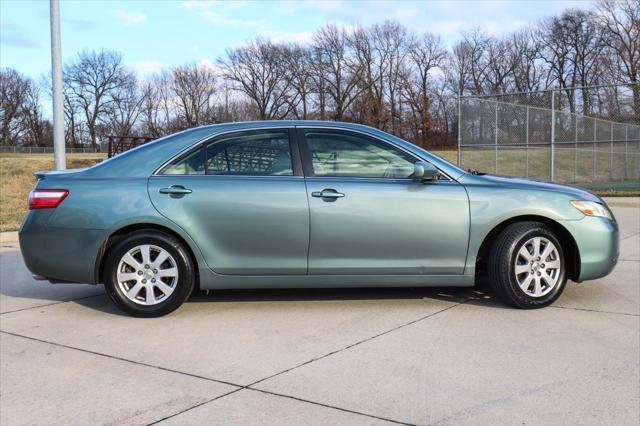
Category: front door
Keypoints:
(368, 216)
(242, 198)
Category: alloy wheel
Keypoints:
(537, 266)
(147, 274)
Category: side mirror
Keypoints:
(423, 170)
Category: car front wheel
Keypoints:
(149, 274)
(527, 266)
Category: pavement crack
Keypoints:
(200, 404)
(359, 342)
(143, 364)
(346, 410)
(595, 310)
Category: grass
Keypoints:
(16, 180)
(16, 172)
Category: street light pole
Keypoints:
(56, 75)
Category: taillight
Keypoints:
(46, 198)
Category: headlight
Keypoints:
(591, 208)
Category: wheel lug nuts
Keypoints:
(144, 281)
(153, 280)
(139, 272)
(146, 266)
(539, 274)
(155, 271)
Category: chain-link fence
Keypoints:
(44, 150)
(583, 134)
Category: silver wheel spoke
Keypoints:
(547, 251)
(521, 269)
(536, 247)
(145, 253)
(537, 288)
(150, 278)
(167, 273)
(160, 259)
(526, 283)
(164, 288)
(525, 253)
(127, 276)
(150, 298)
(554, 264)
(133, 291)
(131, 261)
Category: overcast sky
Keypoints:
(159, 34)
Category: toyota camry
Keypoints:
(286, 204)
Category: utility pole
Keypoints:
(56, 75)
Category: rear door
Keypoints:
(368, 216)
(242, 198)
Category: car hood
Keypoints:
(520, 183)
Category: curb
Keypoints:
(9, 237)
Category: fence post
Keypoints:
(495, 136)
(611, 151)
(526, 149)
(595, 151)
(553, 133)
(575, 151)
(626, 150)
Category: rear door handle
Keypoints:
(327, 193)
(175, 190)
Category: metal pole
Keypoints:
(626, 150)
(526, 149)
(575, 151)
(56, 75)
(595, 154)
(611, 151)
(553, 132)
(496, 135)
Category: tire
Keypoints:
(149, 274)
(522, 277)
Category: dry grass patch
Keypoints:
(16, 180)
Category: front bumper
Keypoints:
(598, 242)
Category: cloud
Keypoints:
(302, 37)
(406, 13)
(216, 18)
(147, 67)
(130, 18)
(15, 35)
(197, 4)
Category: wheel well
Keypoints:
(121, 233)
(569, 246)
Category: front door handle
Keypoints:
(175, 190)
(327, 193)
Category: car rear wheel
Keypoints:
(527, 266)
(149, 274)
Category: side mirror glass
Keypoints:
(423, 170)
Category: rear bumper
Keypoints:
(598, 241)
(59, 254)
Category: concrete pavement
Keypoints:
(366, 356)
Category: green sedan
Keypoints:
(284, 204)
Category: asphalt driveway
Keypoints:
(416, 356)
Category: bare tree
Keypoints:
(259, 71)
(426, 53)
(91, 81)
(341, 72)
(194, 88)
(620, 21)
